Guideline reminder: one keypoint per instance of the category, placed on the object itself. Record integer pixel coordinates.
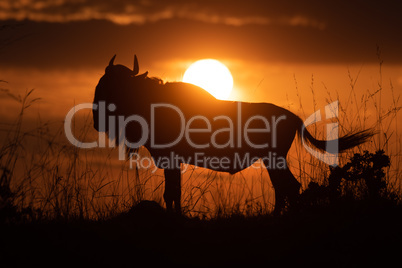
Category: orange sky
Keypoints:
(62, 48)
(60, 89)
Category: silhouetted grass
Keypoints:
(341, 235)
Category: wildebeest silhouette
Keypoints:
(219, 135)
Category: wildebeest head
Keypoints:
(113, 92)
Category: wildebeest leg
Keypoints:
(285, 185)
(172, 189)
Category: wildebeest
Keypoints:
(186, 124)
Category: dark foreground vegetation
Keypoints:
(352, 219)
(348, 234)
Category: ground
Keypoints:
(356, 234)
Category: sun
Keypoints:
(211, 75)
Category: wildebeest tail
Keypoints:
(337, 145)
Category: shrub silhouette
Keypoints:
(363, 177)
(368, 167)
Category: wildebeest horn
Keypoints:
(142, 76)
(112, 60)
(136, 69)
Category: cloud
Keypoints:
(235, 13)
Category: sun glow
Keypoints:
(211, 75)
